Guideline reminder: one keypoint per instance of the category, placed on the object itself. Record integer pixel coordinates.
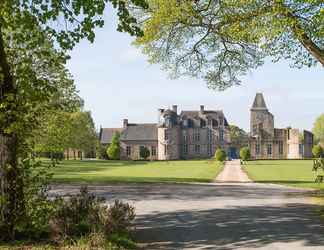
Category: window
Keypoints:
(269, 149)
(185, 149)
(209, 135)
(214, 123)
(166, 149)
(153, 150)
(196, 136)
(288, 134)
(184, 138)
(197, 149)
(221, 135)
(202, 123)
(140, 149)
(301, 149)
(209, 149)
(166, 135)
(280, 147)
(257, 148)
(128, 150)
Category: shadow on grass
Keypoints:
(231, 228)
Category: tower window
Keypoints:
(269, 149)
(166, 135)
(280, 147)
(257, 148)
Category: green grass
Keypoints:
(296, 173)
(99, 171)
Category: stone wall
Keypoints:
(135, 149)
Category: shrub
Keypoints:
(317, 151)
(113, 149)
(118, 218)
(144, 152)
(220, 155)
(245, 153)
(84, 214)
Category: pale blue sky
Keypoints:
(116, 82)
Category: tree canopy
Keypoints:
(221, 41)
(318, 129)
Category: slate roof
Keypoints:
(140, 132)
(259, 103)
(106, 134)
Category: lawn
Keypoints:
(99, 171)
(296, 173)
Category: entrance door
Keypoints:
(232, 153)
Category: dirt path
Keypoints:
(232, 172)
(220, 216)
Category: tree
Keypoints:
(32, 68)
(220, 155)
(238, 136)
(221, 41)
(144, 152)
(318, 129)
(113, 150)
(245, 154)
(317, 151)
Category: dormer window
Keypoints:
(202, 123)
(214, 123)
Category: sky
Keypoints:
(116, 82)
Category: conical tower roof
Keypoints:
(259, 103)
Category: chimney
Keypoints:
(202, 108)
(174, 108)
(125, 123)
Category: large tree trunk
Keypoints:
(11, 178)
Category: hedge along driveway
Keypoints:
(297, 173)
(99, 171)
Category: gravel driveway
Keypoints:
(218, 215)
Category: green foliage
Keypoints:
(221, 41)
(238, 136)
(101, 152)
(317, 151)
(220, 155)
(32, 214)
(318, 129)
(144, 152)
(113, 150)
(245, 153)
(86, 214)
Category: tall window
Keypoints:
(197, 136)
(301, 149)
(269, 149)
(128, 150)
(209, 135)
(140, 149)
(184, 138)
(166, 135)
(257, 148)
(153, 151)
(209, 149)
(185, 149)
(221, 135)
(165, 149)
(197, 149)
(280, 147)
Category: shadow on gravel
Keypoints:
(231, 228)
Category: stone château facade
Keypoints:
(198, 133)
(184, 135)
(267, 142)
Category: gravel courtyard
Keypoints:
(218, 215)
